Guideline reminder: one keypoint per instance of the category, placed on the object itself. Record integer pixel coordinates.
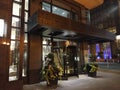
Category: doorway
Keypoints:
(65, 54)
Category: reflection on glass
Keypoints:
(61, 12)
(46, 7)
(16, 9)
(15, 33)
(14, 60)
(16, 22)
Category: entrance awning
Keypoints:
(48, 24)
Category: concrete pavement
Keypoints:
(103, 81)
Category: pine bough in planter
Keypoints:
(50, 72)
(91, 69)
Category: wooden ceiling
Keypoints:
(90, 4)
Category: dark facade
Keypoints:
(106, 16)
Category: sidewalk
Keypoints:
(103, 81)
(108, 78)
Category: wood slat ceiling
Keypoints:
(90, 4)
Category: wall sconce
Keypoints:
(2, 27)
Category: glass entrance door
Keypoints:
(72, 63)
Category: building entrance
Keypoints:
(65, 55)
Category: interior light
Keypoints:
(25, 41)
(2, 27)
(43, 8)
(63, 13)
(44, 42)
(55, 8)
(118, 37)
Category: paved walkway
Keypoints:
(103, 81)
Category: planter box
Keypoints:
(53, 82)
(92, 74)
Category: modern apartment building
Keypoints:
(30, 29)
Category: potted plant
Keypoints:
(50, 71)
(91, 69)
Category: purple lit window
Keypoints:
(97, 50)
(107, 51)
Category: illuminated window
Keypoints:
(25, 54)
(25, 27)
(15, 33)
(46, 7)
(26, 4)
(18, 0)
(1, 27)
(107, 51)
(46, 47)
(16, 22)
(26, 16)
(16, 9)
(97, 50)
(61, 12)
(14, 60)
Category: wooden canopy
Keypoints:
(48, 24)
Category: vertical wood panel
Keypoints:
(35, 5)
(3, 66)
(35, 58)
(35, 51)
